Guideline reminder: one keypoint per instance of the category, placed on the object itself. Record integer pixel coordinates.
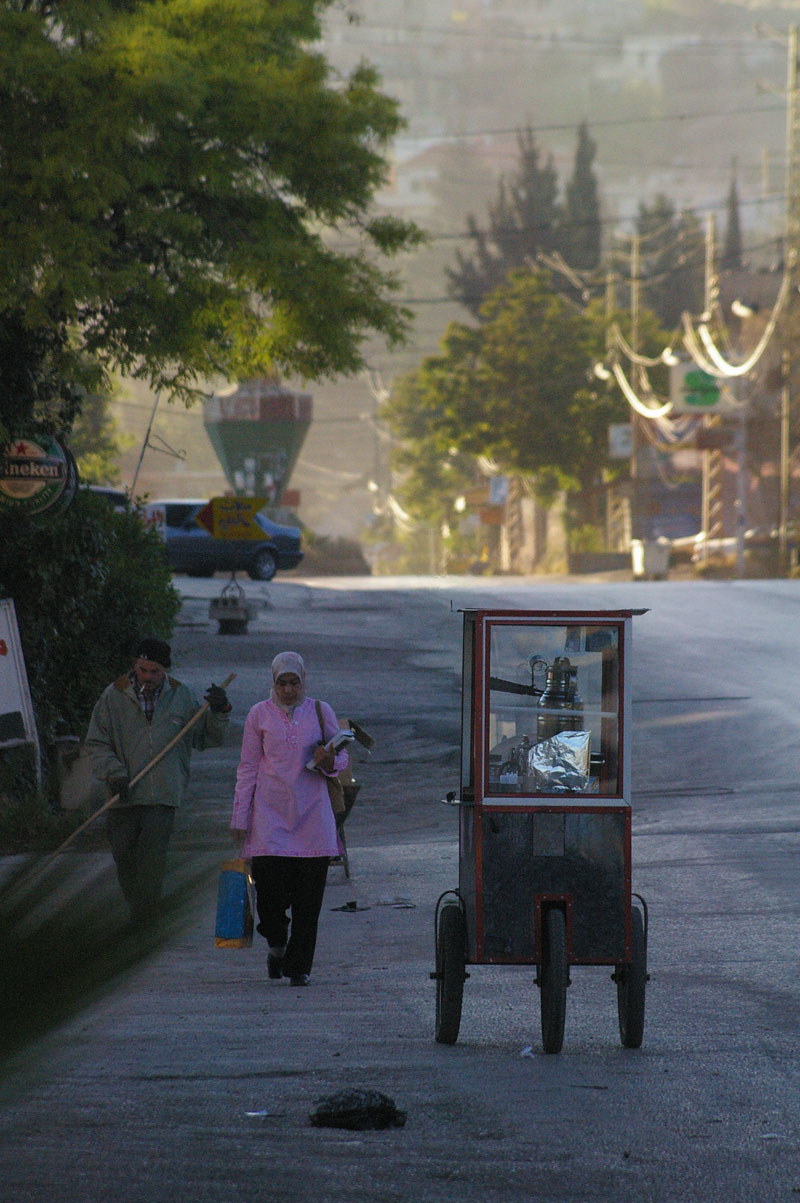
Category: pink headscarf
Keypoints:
(288, 662)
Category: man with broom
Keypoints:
(134, 720)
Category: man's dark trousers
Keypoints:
(139, 838)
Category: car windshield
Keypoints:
(179, 514)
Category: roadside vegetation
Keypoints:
(86, 584)
(326, 555)
(186, 196)
(511, 390)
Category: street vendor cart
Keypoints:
(544, 814)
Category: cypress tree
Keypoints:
(732, 247)
(524, 219)
(581, 236)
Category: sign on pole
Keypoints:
(620, 440)
(36, 476)
(17, 722)
(693, 391)
(498, 490)
(232, 517)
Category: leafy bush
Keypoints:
(86, 583)
(28, 823)
(586, 537)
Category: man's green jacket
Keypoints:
(121, 741)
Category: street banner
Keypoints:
(154, 516)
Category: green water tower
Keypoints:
(257, 429)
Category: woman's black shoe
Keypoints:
(274, 966)
(302, 979)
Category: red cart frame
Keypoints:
(544, 813)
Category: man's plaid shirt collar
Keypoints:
(147, 699)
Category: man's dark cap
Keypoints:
(149, 648)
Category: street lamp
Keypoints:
(740, 309)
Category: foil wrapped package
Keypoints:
(560, 764)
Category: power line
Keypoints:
(462, 235)
(548, 41)
(611, 122)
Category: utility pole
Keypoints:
(620, 506)
(783, 548)
(636, 435)
(145, 443)
(791, 253)
(713, 459)
(791, 249)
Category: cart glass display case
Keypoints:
(553, 715)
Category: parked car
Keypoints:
(192, 549)
(761, 547)
(120, 502)
(118, 499)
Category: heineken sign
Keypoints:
(35, 476)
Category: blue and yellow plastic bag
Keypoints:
(234, 927)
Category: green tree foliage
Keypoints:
(514, 389)
(85, 584)
(95, 443)
(523, 220)
(527, 218)
(582, 229)
(672, 261)
(38, 381)
(433, 469)
(186, 193)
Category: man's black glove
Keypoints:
(217, 699)
(119, 786)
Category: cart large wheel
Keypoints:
(450, 948)
(631, 982)
(553, 978)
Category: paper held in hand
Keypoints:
(339, 741)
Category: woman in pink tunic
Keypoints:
(282, 816)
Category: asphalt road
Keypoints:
(174, 1071)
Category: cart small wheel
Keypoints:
(631, 982)
(553, 979)
(450, 957)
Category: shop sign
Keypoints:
(491, 515)
(35, 476)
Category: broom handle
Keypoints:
(159, 756)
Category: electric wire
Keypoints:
(723, 366)
(632, 398)
(646, 361)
